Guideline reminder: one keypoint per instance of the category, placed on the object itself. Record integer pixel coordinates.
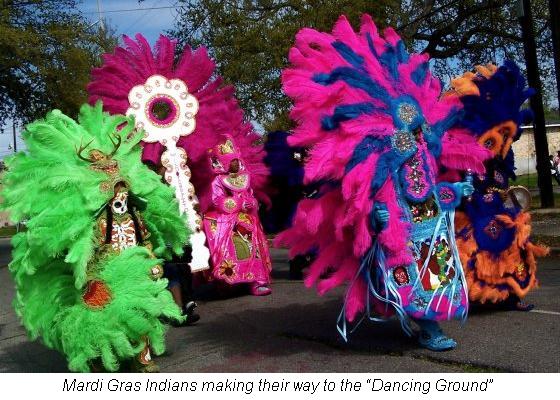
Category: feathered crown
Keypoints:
(223, 154)
(59, 187)
(493, 110)
(497, 96)
(214, 111)
(348, 86)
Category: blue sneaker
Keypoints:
(436, 343)
(432, 337)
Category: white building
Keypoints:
(524, 148)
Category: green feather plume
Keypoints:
(59, 196)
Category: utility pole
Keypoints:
(554, 15)
(15, 138)
(525, 17)
(100, 15)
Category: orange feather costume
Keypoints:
(493, 235)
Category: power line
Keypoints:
(148, 9)
(132, 9)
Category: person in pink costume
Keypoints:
(238, 247)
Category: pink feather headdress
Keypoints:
(218, 111)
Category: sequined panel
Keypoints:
(403, 142)
(416, 182)
(493, 229)
(407, 113)
(422, 212)
(440, 270)
(446, 195)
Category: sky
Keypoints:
(150, 17)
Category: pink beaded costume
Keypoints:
(238, 248)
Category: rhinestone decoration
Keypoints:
(446, 195)
(407, 112)
(415, 175)
(498, 177)
(420, 302)
(493, 229)
(488, 197)
(521, 272)
(403, 141)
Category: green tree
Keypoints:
(47, 50)
(251, 39)
(461, 34)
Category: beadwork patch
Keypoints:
(446, 195)
(400, 274)
(227, 269)
(403, 142)
(493, 229)
(96, 294)
(422, 212)
(407, 112)
(440, 270)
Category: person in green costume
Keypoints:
(87, 268)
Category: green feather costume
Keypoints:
(74, 290)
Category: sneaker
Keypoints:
(189, 312)
(260, 289)
(436, 341)
(522, 306)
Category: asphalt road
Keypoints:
(293, 330)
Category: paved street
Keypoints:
(294, 331)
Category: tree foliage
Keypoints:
(47, 49)
(461, 34)
(250, 39)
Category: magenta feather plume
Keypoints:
(219, 113)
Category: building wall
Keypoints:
(524, 149)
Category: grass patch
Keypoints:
(536, 201)
(8, 231)
(530, 181)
